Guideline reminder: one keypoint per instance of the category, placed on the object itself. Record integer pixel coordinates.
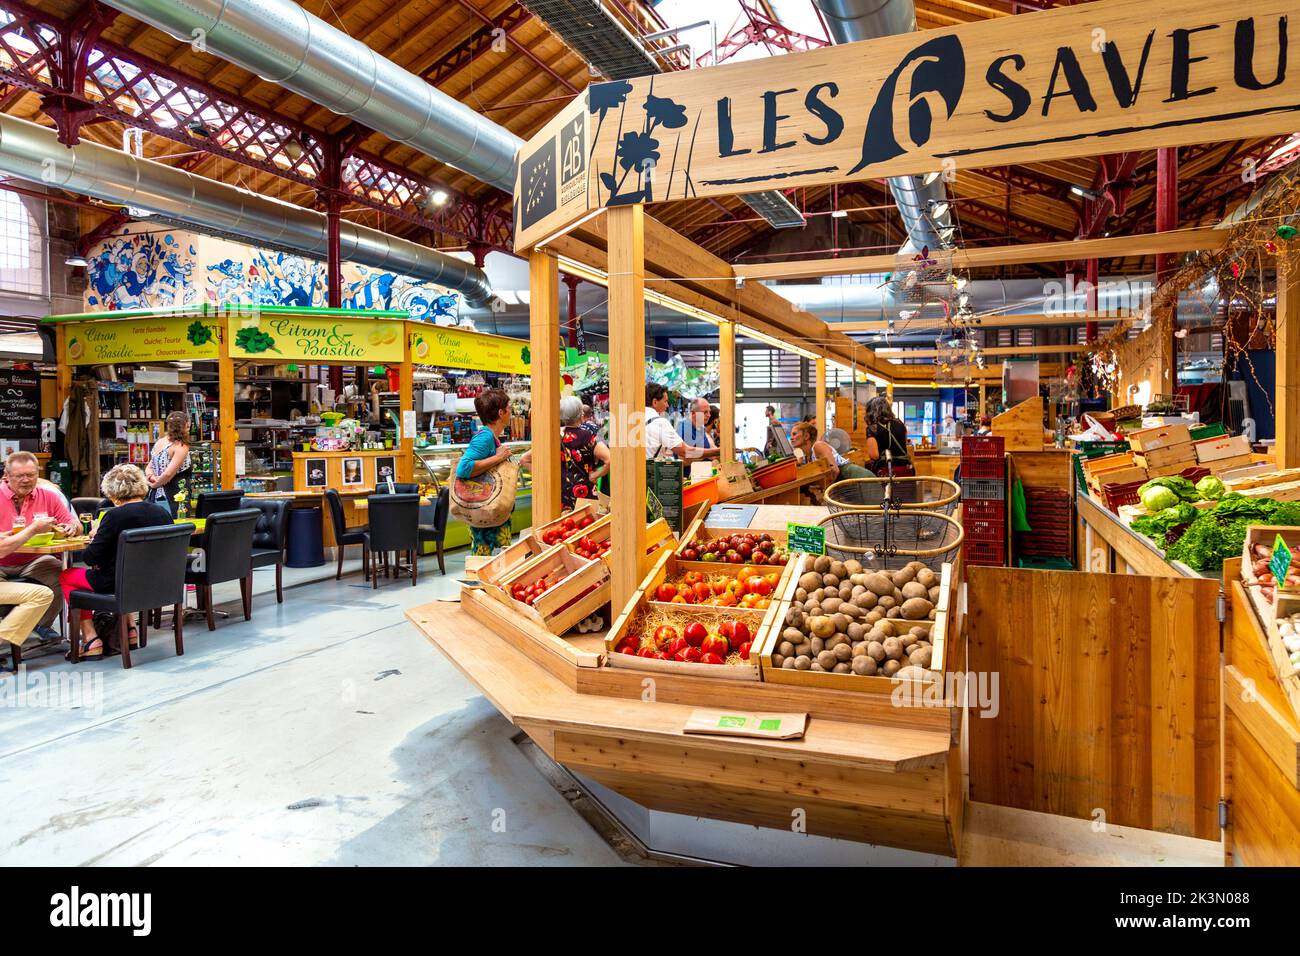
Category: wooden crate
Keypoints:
(1221, 446)
(578, 589)
(1223, 465)
(1149, 439)
(665, 566)
(1021, 425)
(658, 535)
(511, 559)
(590, 508)
(1284, 606)
(1256, 481)
(696, 529)
(1266, 534)
(1116, 476)
(1095, 466)
(940, 639)
(1183, 455)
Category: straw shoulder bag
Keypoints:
(488, 500)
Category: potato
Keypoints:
(821, 564)
(855, 631)
(793, 634)
(859, 649)
(908, 640)
(801, 594)
(876, 651)
(922, 632)
(851, 611)
(778, 660)
(821, 626)
(933, 594)
(875, 616)
(802, 663)
(852, 566)
(817, 644)
(831, 581)
(922, 656)
(866, 600)
(931, 614)
(858, 589)
(816, 667)
(803, 650)
(927, 578)
(886, 601)
(789, 664)
(888, 628)
(880, 584)
(912, 672)
(915, 609)
(903, 576)
(831, 605)
(809, 581)
(894, 612)
(837, 568)
(846, 590)
(914, 589)
(893, 648)
(827, 660)
(816, 595)
(786, 648)
(793, 617)
(841, 668)
(864, 666)
(841, 622)
(842, 652)
(891, 668)
(858, 580)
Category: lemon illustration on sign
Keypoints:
(421, 347)
(75, 349)
(376, 337)
(391, 337)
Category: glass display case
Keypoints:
(433, 464)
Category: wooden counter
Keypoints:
(935, 464)
(791, 492)
(865, 770)
(334, 467)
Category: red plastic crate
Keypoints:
(989, 510)
(1121, 494)
(983, 468)
(985, 531)
(984, 552)
(983, 446)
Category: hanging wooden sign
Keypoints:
(1092, 78)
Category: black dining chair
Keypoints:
(226, 554)
(394, 526)
(433, 525)
(343, 535)
(90, 506)
(150, 573)
(399, 488)
(270, 537)
(215, 502)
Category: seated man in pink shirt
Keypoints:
(21, 494)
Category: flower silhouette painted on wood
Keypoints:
(637, 152)
(664, 112)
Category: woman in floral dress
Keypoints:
(583, 456)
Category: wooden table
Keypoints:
(62, 548)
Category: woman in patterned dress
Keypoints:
(583, 456)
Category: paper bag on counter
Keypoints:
(739, 723)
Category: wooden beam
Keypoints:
(819, 370)
(627, 398)
(986, 322)
(544, 331)
(1142, 244)
(406, 402)
(227, 434)
(993, 350)
(1287, 376)
(727, 391)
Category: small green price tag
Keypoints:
(1280, 563)
(731, 722)
(771, 723)
(808, 538)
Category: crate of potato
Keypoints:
(694, 640)
(557, 590)
(841, 626)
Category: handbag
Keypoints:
(485, 501)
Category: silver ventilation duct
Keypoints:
(33, 152)
(851, 20)
(596, 35)
(283, 43)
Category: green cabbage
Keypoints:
(1158, 498)
(1210, 488)
(1179, 485)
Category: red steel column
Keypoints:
(1090, 328)
(572, 324)
(1167, 218)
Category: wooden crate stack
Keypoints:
(1164, 450)
(984, 499)
(1050, 513)
(1222, 453)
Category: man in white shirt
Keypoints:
(692, 430)
(660, 437)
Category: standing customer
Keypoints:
(22, 497)
(885, 433)
(484, 453)
(169, 463)
(584, 458)
(694, 429)
(27, 603)
(660, 436)
(127, 488)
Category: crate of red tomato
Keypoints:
(556, 590)
(697, 621)
(711, 546)
(594, 540)
(567, 526)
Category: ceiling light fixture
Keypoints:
(938, 208)
(1084, 193)
(438, 197)
(839, 214)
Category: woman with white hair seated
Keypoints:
(127, 488)
(583, 456)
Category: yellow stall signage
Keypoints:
(158, 339)
(315, 338)
(458, 348)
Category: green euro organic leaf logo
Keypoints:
(526, 355)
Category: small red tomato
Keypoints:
(758, 557)
(646, 652)
(695, 633)
(715, 644)
(727, 629)
(665, 634)
(744, 651)
(585, 521)
(676, 644)
(665, 592)
(689, 655)
(661, 656)
(630, 651)
(711, 659)
(740, 633)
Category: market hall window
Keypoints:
(22, 245)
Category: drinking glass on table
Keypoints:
(20, 522)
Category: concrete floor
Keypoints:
(324, 731)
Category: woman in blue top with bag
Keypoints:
(484, 453)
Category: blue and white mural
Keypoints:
(423, 301)
(142, 271)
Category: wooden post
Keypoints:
(63, 374)
(819, 369)
(727, 391)
(1287, 375)
(544, 325)
(405, 403)
(627, 398)
(227, 434)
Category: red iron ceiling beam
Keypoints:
(510, 20)
(537, 60)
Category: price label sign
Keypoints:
(1280, 563)
(808, 538)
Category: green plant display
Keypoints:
(255, 340)
(198, 334)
